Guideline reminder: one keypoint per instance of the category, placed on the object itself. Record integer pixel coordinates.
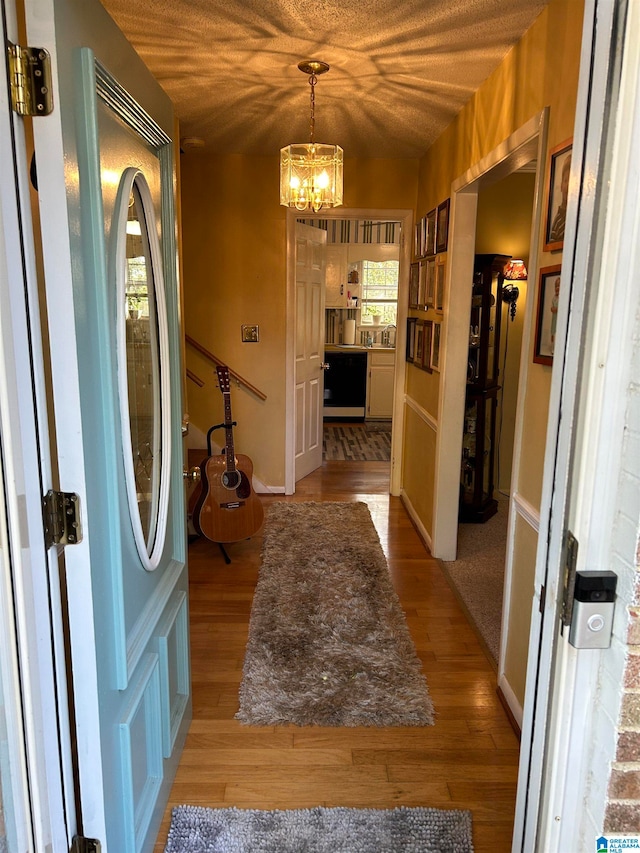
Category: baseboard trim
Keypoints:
(261, 489)
(197, 440)
(511, 705)
(415, 520)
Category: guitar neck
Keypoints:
(230, 453)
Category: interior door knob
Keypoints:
(192, 474)
(185, 425)
(324, 365)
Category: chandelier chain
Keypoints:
(312, 82)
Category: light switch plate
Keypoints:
(250, 334)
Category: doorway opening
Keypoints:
(362, 277)
(524, 147)
(503, 231)
(352, 320)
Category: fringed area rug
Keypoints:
(328, 641)
(368, 442)
(319, 830)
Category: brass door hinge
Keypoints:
(81, 844)
(61, 513)
(30, 72)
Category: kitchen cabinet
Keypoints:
(477, 503)
(380, 384)
(336, 273)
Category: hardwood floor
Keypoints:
(468, 759)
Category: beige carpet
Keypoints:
(478, 573)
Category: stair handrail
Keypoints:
(211, 357)
(195, 378)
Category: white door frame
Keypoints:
(563, 782)
(405, 217)
(525, 144)
(27, 476)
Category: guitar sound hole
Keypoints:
(231, 479)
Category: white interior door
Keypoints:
(309, 347)
(106, 174)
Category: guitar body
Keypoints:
(227, 513)
(224, 507)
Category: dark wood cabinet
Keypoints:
(477, 503)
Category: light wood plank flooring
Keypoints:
(468, 759)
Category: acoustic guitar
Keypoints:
(227, 508)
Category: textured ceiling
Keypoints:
(400, 69)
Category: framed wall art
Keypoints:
(414, 284)
(440, 271)
(411, 338)
(422, 285)
(430, 296)
(547, 314)
(417, 240)
(557, 193)
(442, 226)
(430, 246)
(435, 347)
(426, 346)
(419, 348)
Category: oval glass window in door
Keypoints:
(143, 365)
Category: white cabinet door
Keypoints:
(380, 386)
(336, 275)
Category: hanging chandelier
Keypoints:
(311, 173)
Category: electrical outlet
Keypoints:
(250, 334)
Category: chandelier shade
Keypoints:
(311, 176)
(311, 172)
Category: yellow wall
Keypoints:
(419, 435)
(522, 85)
(505, 212)
(522, 590)
(235, 263)
(540, 71)
(234, 238)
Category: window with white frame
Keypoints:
(379, 294)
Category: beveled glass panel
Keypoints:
(143, 366)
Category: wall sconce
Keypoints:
(514, 271)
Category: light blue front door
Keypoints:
(106, 185)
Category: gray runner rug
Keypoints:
(320, 830)
(328, 640)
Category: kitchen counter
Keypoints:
(359, 381)
(355, 348)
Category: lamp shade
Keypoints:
(311, 176)
(515, 271)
